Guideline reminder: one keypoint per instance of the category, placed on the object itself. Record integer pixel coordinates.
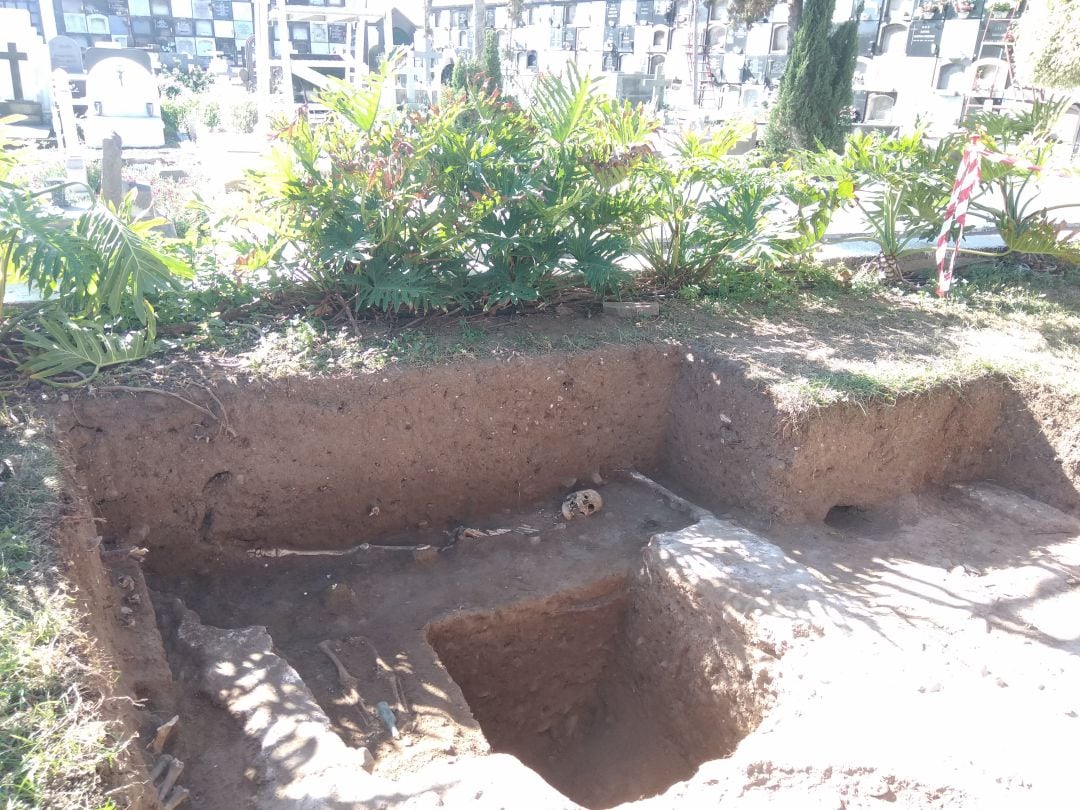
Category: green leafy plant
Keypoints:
(93, 273)
(67, 347)
(1009, 193)
(175, 82)
(475, 204)
(899, 185)
(709, 211)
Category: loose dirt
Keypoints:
(384, 600)
(888, 630)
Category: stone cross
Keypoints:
(13, 56)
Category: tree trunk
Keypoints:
(479, 25)
(794, 17)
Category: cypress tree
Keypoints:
(492, 65)
(458, 77)
(816, 84)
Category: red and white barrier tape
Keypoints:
(967, 180)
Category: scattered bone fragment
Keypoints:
(391, 675)
(159, 768)
(172, 772)
(349, 684)
(126, 553)
(161, 736)
(178, 796)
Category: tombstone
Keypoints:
(66, 54)
(122, 97)
(25, 82)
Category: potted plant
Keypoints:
(963, 8)
(1001, 8)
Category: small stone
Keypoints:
(568, 482)
(535, 539)
(340, 599)
(367, 761)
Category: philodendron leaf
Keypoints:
(61, 346)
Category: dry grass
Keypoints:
(53, 739)
(809, 348)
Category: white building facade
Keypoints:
(930, 60)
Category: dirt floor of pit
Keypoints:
(390, 599)
(947, 677)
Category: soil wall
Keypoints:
(1039, 446)
(729, 446)
(334, 462)
(324, 463)
(128, 662)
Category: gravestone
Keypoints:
(122, 97)
(66, 54)
(112, 164)
(25, 79)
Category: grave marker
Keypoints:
(122, 95)
(13, 56)
(24, 66)
(65, 54)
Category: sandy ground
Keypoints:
(947, 672)
(940, 670)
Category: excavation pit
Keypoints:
(559, 685)
(566, 586)
(412, 524)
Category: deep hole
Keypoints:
(847, 517)
(557, 684)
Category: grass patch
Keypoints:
(53, 739)
(805, 335)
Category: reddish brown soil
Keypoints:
(127, 645)
(729, 446)
(332, 463)
(390, 599)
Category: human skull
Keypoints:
(583, 502)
